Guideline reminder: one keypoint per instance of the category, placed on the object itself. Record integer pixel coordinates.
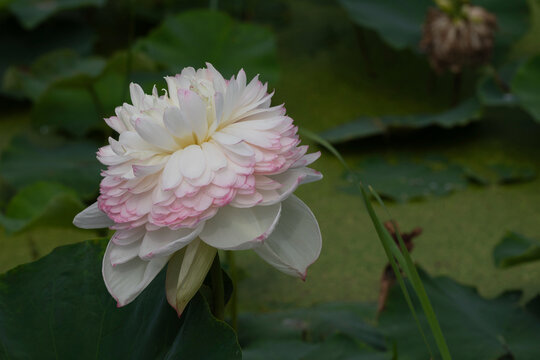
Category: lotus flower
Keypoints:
(208, 165)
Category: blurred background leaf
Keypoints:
(50, 69)
(467, 111)
(515, 249)
(410, 179)
(41, 203)
(526, 86)
(191, 38)
(72, 164)
(31, 13)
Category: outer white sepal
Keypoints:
(92, 218)
(296, 241)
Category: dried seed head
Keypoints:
(453, 43)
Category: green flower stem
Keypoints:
(234, 297)
(397, 258)
(218, 291)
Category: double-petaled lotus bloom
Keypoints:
(208, 165)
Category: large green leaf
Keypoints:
(403, 179)
(526, 86)
(194, 37)
(72, 164)
(399, 23)
(337, 328)
(41, 203)
(474, 327)
(51, 68)
(515, 249)
(31, 13)
(467, 111)
(58, 308)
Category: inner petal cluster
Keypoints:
(205, 143)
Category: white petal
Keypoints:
(92, 218)
(289, 181)
(296, 242)
(154, 134)
(192, 162)
(126, 281)
(145, 170)
(172, 176)
(165, 241)
(121, 254)
(214, 157)
(178, 124)
(193, 109)
(239, 229)
(129, 236)
(172, 84)
(306, 159)
(137, 95)
(173, 272)
(186, 273)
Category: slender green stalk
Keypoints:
(414, 277)
(233, 303)
(218, 291)
(393, 253)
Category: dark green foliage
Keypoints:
(41, 203)
(54, 67)
(59, 308)
(515, 249)
(467, 111)
(195, 37)
(400, 23)
(526, 86)
(474, 327)
(405, 179)
(33, 12)
(73, 164)
(339, 329)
